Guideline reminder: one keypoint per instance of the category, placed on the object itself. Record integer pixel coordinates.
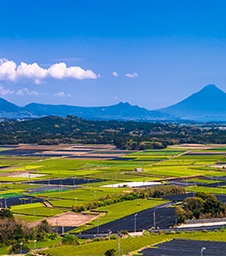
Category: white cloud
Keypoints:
(115, 74)
(57, 70)
(132, 75)
(9, 70)
(2, 60)
(25, 91)
(25, 70)
(62, 94)
(4, 91)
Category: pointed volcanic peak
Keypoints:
(208, 104)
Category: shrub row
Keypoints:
(142, 193)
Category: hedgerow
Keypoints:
(142, 193)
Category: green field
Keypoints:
(35, 209)
(154, 165)
(122, 209)
(130, 245)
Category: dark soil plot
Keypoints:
(164, 218)
(180, 247)
(216, 178)
(49, 155)
(32, 152)
(62, 229)
(18, 152)
(181, 197)
(73, 150)
(49, 188)
(2, 167)
(183, 183)
(216, 184)
(116, 152)
(8, 146)
(19, 200)
(66, 181)
(178, 198)
(221, 198)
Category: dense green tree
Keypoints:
(211, 204)
(181, 214)
(202, 205)
(193, 206)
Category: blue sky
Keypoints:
(151, 53)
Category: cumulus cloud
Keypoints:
(25, 91)
(9, 70)
(62, 94)
(132, 75)
(4, 91)
(115, 74)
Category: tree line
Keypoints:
(123, 134)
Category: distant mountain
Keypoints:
(9, 110)
(121, 111)
(6, 106)
(209, 104)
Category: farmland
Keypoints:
(41, 182)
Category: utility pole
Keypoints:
(98, 227)
(35, 243)
(202, 250)
(21, 247)
(119, 247)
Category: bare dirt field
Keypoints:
(94, 152)
(88, 151)
(69, 219)
(22, 174)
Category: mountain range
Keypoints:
(209, 104)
